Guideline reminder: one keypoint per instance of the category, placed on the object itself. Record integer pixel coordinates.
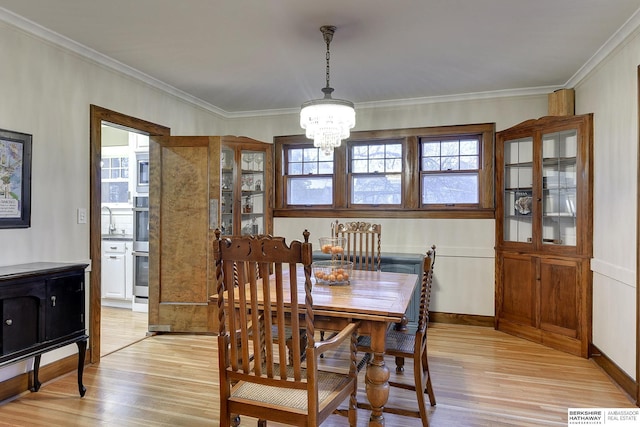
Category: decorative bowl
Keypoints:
(334, 272)
(332, 245)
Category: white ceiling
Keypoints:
(243, 56)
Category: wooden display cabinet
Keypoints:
(544, 217)
(244, 207)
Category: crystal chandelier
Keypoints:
(327, 121)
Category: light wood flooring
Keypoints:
(481, 377)
(121, 327)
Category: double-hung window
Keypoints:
(309, 177)
(115, 179)
(376, 173)
(449, 170)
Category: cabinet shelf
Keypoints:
(562, 161)
(519, 165)
(516, 189)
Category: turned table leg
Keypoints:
(377, 376)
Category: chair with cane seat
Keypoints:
(412, 346)
(257, 379)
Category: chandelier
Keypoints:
(327, 121)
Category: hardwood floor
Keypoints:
(481, 377)
(121, 327)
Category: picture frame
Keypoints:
(15, 179)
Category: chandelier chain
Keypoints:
(327, 121)
(328, 56)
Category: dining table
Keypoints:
(375, 299)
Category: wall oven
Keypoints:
(141, 249)
(142, 172)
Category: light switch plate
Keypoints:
(82, 216)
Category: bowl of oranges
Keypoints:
(333, 246)
(332, 272)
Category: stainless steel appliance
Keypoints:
(141, 277)
(142, 172)
(141, 249)
(141, 223)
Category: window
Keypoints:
(436, 172)
(376, 173)
(309, 176)
(450, 170)
(115, 180)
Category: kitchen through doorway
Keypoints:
(119, 188)
(124, 219)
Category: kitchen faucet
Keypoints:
(112, 226)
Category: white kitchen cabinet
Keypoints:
(128, 271)
(114, 269)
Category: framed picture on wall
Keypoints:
(15, 179)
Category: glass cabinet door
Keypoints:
(227, 184)
(518, 190)
(559, 150)
(252, 187)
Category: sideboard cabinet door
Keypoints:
(21, 315)
(64, 306)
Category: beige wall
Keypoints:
(611, 93)
(47, 92)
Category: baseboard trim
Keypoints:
(461, 319)
(620, 377)
(21, 383)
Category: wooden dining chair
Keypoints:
(362, 246)
(257, 379)
(403, 345)
(363, 241)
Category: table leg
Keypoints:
(377, 376)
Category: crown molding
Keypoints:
(617, 39)
(92, 55)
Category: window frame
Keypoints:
(120, 180)
(350, 174)
(411, 206)
(423, 173)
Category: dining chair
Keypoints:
(402, 345)
(257, 379)
(363, 241)
(362, 246)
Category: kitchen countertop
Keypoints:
(121, 237)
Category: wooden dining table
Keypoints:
(375, 299)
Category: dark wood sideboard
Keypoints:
(397, 263)
(42, 306)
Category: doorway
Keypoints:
(100, 116)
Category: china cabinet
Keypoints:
(544, 211)
(244, 184)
